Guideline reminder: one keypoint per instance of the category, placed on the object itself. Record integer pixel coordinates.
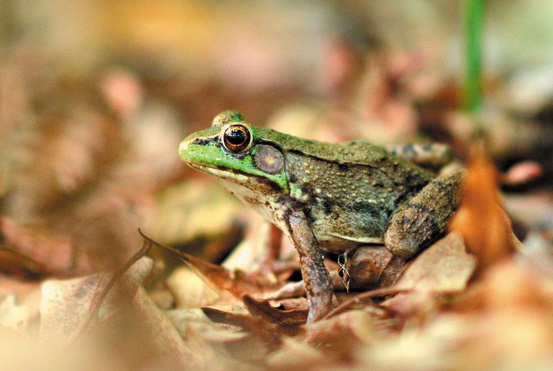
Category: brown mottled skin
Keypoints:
(335, 197)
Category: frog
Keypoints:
(326, 197)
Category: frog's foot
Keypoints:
(319, 292)
(424, 218)
(317, 283)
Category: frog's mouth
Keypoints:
(238, 177)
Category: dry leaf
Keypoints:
(443, 267)
(41, 251)
(131, 328)
(484, 226)
(264, 336)
(296, 355)
(342, 333)
(58, 325)
(237, 282)
(284, 318)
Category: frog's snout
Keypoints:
(183, 146)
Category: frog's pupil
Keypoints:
(236, 137)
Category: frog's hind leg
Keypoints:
(424, 218)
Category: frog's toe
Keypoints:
(319, 307)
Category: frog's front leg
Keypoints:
(316, 278)
(424, 217)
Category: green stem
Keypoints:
(474, 19)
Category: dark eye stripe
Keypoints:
(204, 141)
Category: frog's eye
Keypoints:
(236, 138)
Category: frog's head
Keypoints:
(234, 152)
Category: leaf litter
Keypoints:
(475, 299)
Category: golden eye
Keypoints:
(236, 138)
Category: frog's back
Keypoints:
(355, 152)
(349, 190)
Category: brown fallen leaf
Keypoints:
(444, 267)
(34, 250)
(130, 327)
(286, 319)
(237, 282)
(296, 355)
(480, 219)
(328, 343)
(256, 333)
(79, 294)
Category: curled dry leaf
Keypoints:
(285, 318)
(237, 282)
(480, 219)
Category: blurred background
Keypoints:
(95, 96)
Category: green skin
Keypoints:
(331, 196)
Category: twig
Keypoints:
(364, 296)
